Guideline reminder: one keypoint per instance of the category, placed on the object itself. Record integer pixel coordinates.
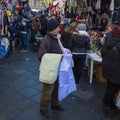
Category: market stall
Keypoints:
(10, 16)
(4, 22)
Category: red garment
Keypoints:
(52, 7)
(78, 17)
(0, 27)
(116, 31)
(61, 30)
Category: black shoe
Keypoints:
(77, 82)
(45, 112)
(58, 107)
(106, 108)
(111, 112)
(118, 117)
(110, 109)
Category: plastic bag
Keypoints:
(117, 99)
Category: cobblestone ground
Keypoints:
(20, 93)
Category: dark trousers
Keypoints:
(78, 66)
(24, 40)
(111, 90)
(49, 95)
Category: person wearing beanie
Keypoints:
(79, 44)
(52, 25)
(82, 26)
(66, 23)
(82, 29)
(49, 44)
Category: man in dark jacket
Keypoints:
(50, 44)
(111, 68)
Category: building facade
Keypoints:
(36, 4)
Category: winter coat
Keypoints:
(66, 38)
(36, 25)
(79, 42)
(49, 44)
(111, 59)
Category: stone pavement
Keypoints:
(20, 93)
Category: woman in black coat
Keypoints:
(111, 68)
(79, 44)
(66, 34)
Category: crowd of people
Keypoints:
(42, 31)
(79, 40)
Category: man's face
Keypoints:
(53, 17)
(55, 31)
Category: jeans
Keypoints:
(29, 34)
(24, 40)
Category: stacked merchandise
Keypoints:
(57, 7)
(70, 8)
(116, 15)
(4, 46)
(4, 21)
(10, 14)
